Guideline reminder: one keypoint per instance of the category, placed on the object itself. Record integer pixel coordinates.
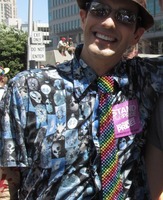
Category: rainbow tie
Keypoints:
(110, 173)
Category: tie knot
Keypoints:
(105, 84)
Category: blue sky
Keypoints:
(40, 10)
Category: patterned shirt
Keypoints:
(50, 129)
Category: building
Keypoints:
(39, 27)
(8, 13)
(7, 10)
(64, 21)
(14, 22)
(153, 39)
(44, 28)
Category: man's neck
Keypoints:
(100, 66)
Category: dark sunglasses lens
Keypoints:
(99, 10)
(126, 17)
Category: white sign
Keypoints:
(37, 52)
(37, 37)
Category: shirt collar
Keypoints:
(83, 75)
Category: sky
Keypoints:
(40, 10)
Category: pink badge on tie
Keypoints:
(126, 118)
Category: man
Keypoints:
(3, 88)
(131, 52)
(62, 46)
(70, 47)
(51, 117)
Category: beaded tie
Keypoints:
(110, 174)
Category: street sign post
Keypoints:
(37, 53)
(30, 25)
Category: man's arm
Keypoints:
(154, 165)
(154, 152)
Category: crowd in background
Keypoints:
(66, 45)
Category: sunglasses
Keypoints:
(103, 11)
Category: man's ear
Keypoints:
(138, 33)
(83, 15)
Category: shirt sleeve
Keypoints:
(155, 131)
(13, 151)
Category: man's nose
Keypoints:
(109, 21)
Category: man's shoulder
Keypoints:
(152, 58)
(48, 73)
(150, 63)
(39, 74)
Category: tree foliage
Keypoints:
(13, 49)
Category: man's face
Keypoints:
(106, 36)
(3, 80)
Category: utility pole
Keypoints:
(30, 29)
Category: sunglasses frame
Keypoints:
(118, 14)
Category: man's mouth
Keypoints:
(104, 37)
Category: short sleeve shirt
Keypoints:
(50, 129)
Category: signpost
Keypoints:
(30, 18)
(36, 49)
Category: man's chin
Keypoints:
(109, 52)
(106, 52)
(100, 51)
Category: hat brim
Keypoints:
(82, 3)
(6, 70)
(147, 18)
